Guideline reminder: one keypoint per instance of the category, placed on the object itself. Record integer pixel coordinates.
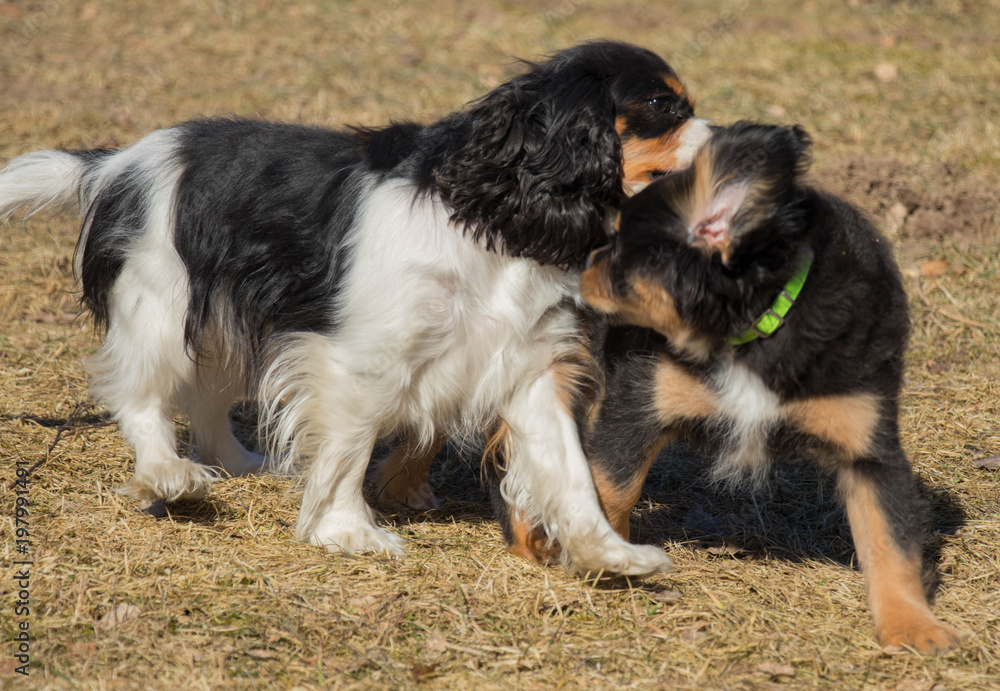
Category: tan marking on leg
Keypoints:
(403, 476)
(848, 422)
(530, 541)
(527, 541)
(895, 586)
(680, 395)
(497, 449)
(617, 501)
(577, 378)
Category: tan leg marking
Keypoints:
(680, 395)
(617, 501)
(848, 422)
(576, 377)
(530, 541)
(895, 587)
(403, 476)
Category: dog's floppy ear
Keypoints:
(739, 178)
(540, 167)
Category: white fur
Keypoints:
(690, 136)
(39, 180)
(752, 410)
(142, 372)
(557, 487)
(438, 335)
(435, 335)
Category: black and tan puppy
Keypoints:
(782, 325)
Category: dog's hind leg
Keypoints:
(881, 502)
(207, 405)
(876, 484)
(334, 511)
(137, 374)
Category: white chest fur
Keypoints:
(751, 410)
(450, 328)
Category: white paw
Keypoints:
(616, 557)
(355, 535)
(170, 480)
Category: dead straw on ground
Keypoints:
(900, 98)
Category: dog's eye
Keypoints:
(665, 108)
(659, 104)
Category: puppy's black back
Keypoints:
(848, 329)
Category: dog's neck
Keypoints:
(774, 316)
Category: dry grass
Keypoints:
(225, 594)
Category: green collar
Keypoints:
(774, 316)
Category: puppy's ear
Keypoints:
(739, 180)
(540, 168)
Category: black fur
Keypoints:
(264, 211)
(116, 220)
(846, 334)
(541, 160)
(263, 232)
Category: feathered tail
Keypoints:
(45, 180)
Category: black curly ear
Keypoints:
(540, 168)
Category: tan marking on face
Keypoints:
(680, 395)
(848, 422)
(403, 474)
(643, 157)
(617, 501)
(677, 86)
(895, 584)
(652, 306)
(530, 541)
(646, 304)
(594, 287)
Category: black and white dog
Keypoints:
(417, 279)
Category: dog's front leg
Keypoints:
(881, 505)
(549, 481)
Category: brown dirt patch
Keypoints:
(919, 206)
